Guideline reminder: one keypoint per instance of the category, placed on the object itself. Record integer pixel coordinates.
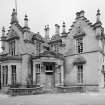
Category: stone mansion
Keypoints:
(73, 58)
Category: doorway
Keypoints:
(50, 75)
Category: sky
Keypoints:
(43, 12)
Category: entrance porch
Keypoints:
(48, 72)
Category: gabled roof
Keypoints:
(49, 54)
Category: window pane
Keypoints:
(79, 42)
(80, 74)
(13, 75)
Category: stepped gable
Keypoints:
(82, 17)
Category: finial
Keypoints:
(56, 25)
(63, 27)
(13, 10)
(82, 13)
(26, 17)
(63, 24)
(38, 33)
(3, 29)
(98, 12)
(46, 27)
(26, 21)
(98, 16)
(77, 15)
(14, 17)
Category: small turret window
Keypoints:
(12, 47)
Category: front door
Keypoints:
(49, 72)
(49, 81)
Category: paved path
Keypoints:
(55, 99)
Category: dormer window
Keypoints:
(12, 47)
(79, 44)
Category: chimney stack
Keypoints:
(47, 33)
(57, 29)
(26, 21)
(82, 13)
(98, 16)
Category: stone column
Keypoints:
(26, 68)
(42, 75)
(1, 76)
(34, 73)
(9, 74)
(56, 75)
(62, 75)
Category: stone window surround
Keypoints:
(13, 75)
(58, 65)
(38, 70)
(80, 73)
(5, 75)
(79, 44)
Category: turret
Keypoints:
(26, 29)
(3, 39)
(26, 21)
(99, 32)
(47, 33)
(98, 16)
(14, 17)
(98, 25)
